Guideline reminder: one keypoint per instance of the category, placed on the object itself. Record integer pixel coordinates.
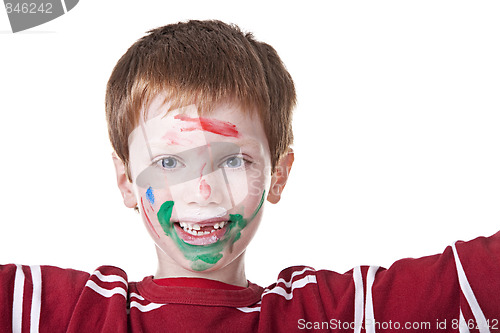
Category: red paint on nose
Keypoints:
(205, 190)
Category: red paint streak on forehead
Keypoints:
(173, 138)
(215, 126)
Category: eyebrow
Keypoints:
(178, 148)
(252, 143)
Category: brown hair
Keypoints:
(202, 63)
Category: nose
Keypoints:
(207, 189)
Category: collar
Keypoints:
(199, 296)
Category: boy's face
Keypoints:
(200, 182)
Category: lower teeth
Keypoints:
(198, 233)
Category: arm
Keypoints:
(437, 293)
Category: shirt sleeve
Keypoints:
(52, 299)
(456, 291)
(38, 298)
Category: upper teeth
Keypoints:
(193, 228)
(219, 225)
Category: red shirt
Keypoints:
(195, 283)
(456, 291)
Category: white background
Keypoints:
(397, 132)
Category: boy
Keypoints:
(199, 117)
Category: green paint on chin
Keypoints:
(200, 266)
(205, 256)
(210, 259)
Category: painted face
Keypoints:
(200, 181)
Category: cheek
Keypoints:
(157, 207)
(148, 214)
(237, 186)
(151, 201)
(257, 180)
(255, 186)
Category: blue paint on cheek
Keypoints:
(150, 195)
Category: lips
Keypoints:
(201, 233)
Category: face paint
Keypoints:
(214, 169)
(174, 138)
(205, 189)
(210, 125)
(149, 221)
(150, 196)
(205, 256)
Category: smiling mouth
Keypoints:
(201, 233)
(197, 230)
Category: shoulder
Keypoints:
(291, 279)
(108, 281)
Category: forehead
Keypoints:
(200, 143)
(226, 119)
(165, 130)
(163, 105)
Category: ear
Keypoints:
(280, 176)
(124, 184)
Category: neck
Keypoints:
(233, 273)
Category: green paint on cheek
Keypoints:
(239, 223)
(164, 215)
(205, 256)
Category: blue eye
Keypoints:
(169, 163)
(233, 162)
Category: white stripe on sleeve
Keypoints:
(145, 308)
(136, 296)
(288, 284)
(295, 285)
(36, 299)
(249, 310)
(17, 303)
(358, 299)
(106, 292)
(109, 278)
(369, 314)
(462, 325)
(469, 294)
